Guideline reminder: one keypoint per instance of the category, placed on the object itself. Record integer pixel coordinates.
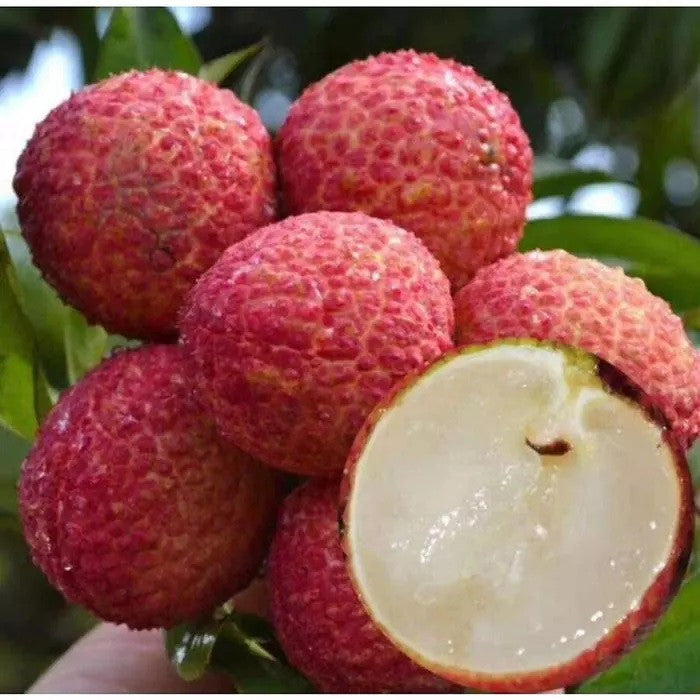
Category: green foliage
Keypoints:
(24, 391)
(67, 345)
(140, 37)
(242, 645)
(564, 184)
(666, 662)
(219, 69)
(13, 450)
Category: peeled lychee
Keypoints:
(319, 620)
(559, 297)
(300, 329)
(517, 516)
(130, 504)
(134, 186)
(424, 142)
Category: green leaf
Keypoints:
(85, 345)
(564, 184)
(668, 661)
(190, 647)
(691, 319)
(694, 461)
(24, 392)
(246, 85)
(144, 37)
(242, 645)
(253, 671)
(219, 69)
(67, 345)
(42, 307)
(665, 258)
(627, 81)
(13, 450)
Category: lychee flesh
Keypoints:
(130, 504)
(300, 329)
(424, 142)
(134, 186)
(559, 297)
(517, 516)
(318, 618)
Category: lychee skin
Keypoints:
(424, 142)
(131, 506)
(301, 328)
(559, 297)
(134, 186)
(320, 622)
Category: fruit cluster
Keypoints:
(323, 345)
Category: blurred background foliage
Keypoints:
(609, 96)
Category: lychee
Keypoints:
(424, 142)
(134, 186)
(319, 619)
(130, 504)
(517, 516)
(300, 329)
(559, 297)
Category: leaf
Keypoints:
(190, 647)
(564, 184)
(144, 37)
(691, 319)
(13, 450)
(42, 307)
(219, 69)
(67, 345)
(254, 672)
(246, 86)
(85, 345)
(665, 258)
(242, 645)
(625, 80)
(668, 661)
(24, 392)
(694, 461)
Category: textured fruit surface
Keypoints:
(557, 296)
(300, 329)
(424, 142)
(130, 505)
(319, 619)
(480, 490)
(134, 186)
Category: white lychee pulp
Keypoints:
(475, 552)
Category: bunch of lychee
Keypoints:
(292, 345)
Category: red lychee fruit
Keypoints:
(424, 142)
(134, 186)
(320, 622)
(300, 329)
(559, 297)
(130, 504)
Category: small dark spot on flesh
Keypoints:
(555, 448)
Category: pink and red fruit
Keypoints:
(424, 142)
(559, 297)
(300, 329)
(134, 186)
(131, 506)
(320, 622)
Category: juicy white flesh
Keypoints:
(476, 553)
